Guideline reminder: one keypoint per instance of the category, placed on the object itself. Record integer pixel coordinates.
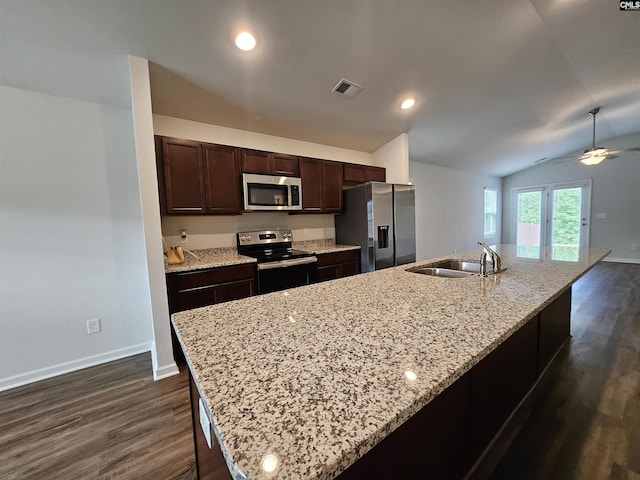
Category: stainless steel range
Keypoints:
(280, 266)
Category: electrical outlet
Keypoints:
(183, 236)
(93, 326)
(634, 247)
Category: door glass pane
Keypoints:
(490, 212)
(529, 217)
(565, 224)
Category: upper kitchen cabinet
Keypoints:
(321, 185)
(222, 179)
(198, 178)
(354, 173)
(269, 163)
(181, 167)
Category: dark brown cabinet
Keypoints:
(321, 185)
(268, 163)
(222, 179)
(499, 382)
(198, 178)
(338, 265)
(354, 173)
(199, 288)
(434, 443)
(183, 174)
(554, 329)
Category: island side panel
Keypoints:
(434, 443)
(555, 326)
(499, 382)
(209, 461)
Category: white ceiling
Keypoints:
(499, 83)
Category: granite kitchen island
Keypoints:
(303, 383)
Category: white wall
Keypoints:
(394, 156)
(71, 240)
(615, 191)
(450, 210)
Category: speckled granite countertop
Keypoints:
(320, 247)
(316, 375)
(224, 257)
(209, 258)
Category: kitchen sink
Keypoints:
(440, 272)
(450, 269)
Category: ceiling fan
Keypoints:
(592, 155)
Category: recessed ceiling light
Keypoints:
(407, 103)
(245, 41)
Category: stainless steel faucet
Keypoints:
(495, 258)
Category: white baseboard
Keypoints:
(166, 371)
(621, 260)
(67, 367)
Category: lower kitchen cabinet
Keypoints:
(499, 382)
(199, 288)
(338, 265)
(434, 443)
(554, 329)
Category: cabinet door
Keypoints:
(222, 174)
(328, 273)
(348, 269)
(255, 161)
(555, 324)
(499, 382)
(354, 173)
(332, 180)
(183, 176)
(375, 174)
(235, 290)
(286, 165)
(195, 297)
(312, 189)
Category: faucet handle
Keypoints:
(483, 264)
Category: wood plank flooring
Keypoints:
(588, 424)
(114, 422)
(106, 422)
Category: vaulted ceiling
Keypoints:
(498, 83)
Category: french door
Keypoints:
(556, 216)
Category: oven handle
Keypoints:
(287, 263)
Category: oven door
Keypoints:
(284, 274)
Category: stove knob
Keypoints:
(247, 238)
(243, 238)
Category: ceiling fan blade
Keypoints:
(623, 150)
(553, 161)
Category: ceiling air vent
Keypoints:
(347, 88)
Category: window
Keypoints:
(490, 212)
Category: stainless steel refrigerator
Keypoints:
(381, 218)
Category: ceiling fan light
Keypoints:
(594, 156)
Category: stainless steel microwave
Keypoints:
(267, 192)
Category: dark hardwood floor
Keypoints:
(588, 425)
(106, 422)
(114, 422)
